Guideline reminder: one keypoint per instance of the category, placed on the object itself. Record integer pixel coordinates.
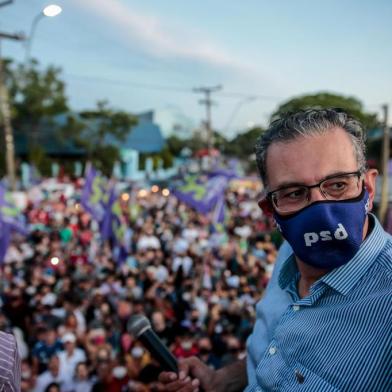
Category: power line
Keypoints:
(130, 83)
(229, 94)
(163, 87)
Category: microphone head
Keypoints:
(137, 325)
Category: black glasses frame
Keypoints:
(270, 195)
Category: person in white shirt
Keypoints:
(81, 382)
(52, 375)
(71, 356)
(148, 240)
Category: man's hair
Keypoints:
(290, 126)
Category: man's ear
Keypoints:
(370, 184)
(266, 206)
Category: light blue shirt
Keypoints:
(339, 338)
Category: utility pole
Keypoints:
(5, 111)
(207, 101)
(385, 158)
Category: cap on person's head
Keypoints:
(49, 299)
(68, 337)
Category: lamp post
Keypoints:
(49, 11)
(236, 110)
(5, 116)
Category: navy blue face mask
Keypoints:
(326, 234)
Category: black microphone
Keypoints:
(140, 328)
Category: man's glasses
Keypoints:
(293, 198)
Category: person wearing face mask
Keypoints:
(324, 322)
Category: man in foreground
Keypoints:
(10, 365)
(324, 323)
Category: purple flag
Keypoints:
(94, 193)
(201, 194)
(218, 214)
(114, 226)
(10, 214)
(106, 223)
(5, 236)
(11, 219)
(231, 171)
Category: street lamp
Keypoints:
(237, 109)
(49, 11)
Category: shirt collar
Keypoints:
(288, 272)
(344, 278)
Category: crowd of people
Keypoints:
(68, 301)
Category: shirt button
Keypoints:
(300, 377)
(296, 308)
(272, 350)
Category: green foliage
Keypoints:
(220, 141)
(242, 146)
(166, 157)
(101, 132)
(36, 93)
(104, 158)
(73, 130)
(105, 120)
(194, 143)
(175, 145)
(327, 100)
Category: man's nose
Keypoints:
(316, 194)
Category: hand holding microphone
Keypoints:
(140, 327)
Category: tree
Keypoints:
(38, 100)
(101, 132)
(175, 145)
(36, 94)
(220, 142)
(327, 100)
(242, 146)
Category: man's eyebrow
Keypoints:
(289, 184)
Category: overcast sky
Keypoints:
(150, 54)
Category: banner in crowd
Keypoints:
(10, 214)
(231, 171)
(201, 193)
(219, 214)
(100, 199)
(114, 226)
(5, 237)
(94, 195)
(11, 220)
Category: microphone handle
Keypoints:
(158, 351)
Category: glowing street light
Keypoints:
(49, 11)
(52, 10)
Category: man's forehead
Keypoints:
(308, 159)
